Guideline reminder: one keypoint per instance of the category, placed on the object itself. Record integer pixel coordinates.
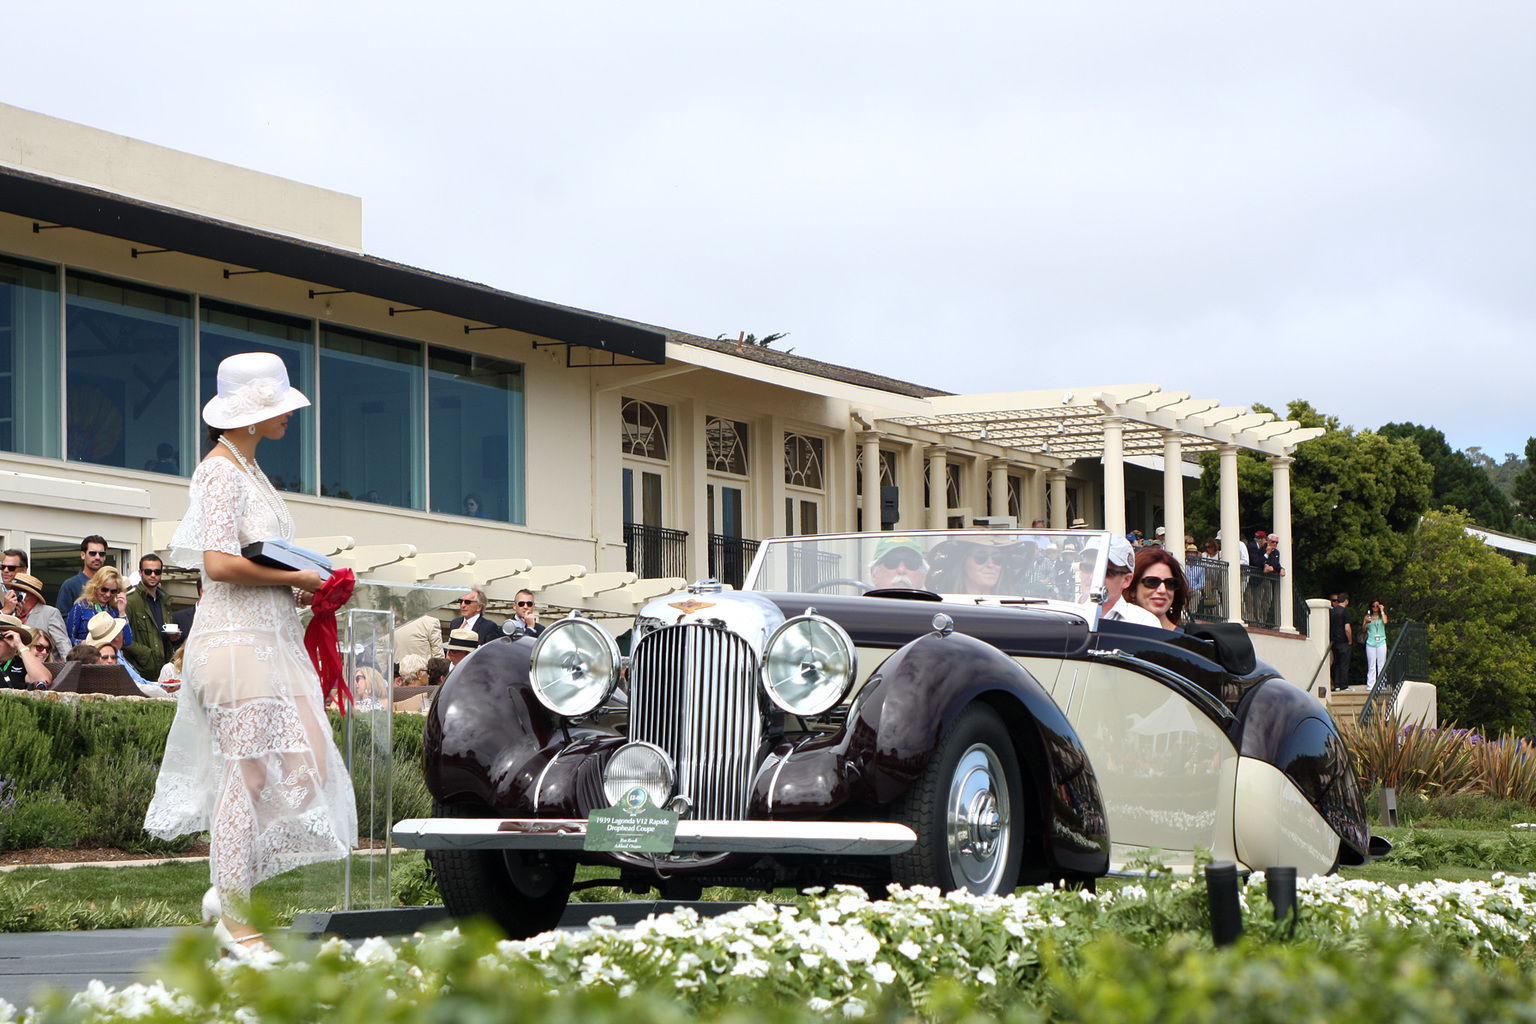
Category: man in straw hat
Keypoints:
(460, 643)
(20, 667)
(39, 614)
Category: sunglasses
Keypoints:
(11, 568)
(108, 590)
(983, 557)
(468, 600)
(896, 561)
(152, 572)
(41, 648)
(1159, 582)
(525, 604)
(109, 657)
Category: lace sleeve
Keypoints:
(218, 499)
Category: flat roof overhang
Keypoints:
(77, 206)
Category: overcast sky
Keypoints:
(1325, 201)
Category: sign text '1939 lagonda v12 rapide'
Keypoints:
(945, 708)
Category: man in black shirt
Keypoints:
(1341, 635)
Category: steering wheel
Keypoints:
(838, 581)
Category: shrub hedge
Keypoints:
(81, 771)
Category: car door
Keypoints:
(1166, 770)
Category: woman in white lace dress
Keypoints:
(250, 757)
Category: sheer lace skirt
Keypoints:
(250, 756)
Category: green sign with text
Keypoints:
(635, 826)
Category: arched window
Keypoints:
(725, 444)
(804, 458)
(645, 429)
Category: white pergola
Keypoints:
(558, 587)
(1057, 427)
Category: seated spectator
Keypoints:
(104, 593)
(42, 646)
(1158, 585)
(85, 654)
(413, 670)
(109, 656)
(437, 671)
(20, 667)
(106, 634)
(39, 614)
(460, 643)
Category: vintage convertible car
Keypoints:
(943, 707)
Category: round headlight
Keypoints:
(575, 667)
(642, 765)
(809, 665)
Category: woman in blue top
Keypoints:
(1375, 641)
(104, 593)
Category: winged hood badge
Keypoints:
(690, 606)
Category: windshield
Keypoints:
(1044, 565)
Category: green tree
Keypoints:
(1355, 498)
(1480, 612)
(1458, 480)
(1523, 489)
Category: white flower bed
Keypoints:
(836, 951)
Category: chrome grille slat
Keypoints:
(693, 692)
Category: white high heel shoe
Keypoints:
(212, 910)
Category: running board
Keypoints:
(869, 838)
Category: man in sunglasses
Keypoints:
(93, 555)
(471, 616)
(13, 561)
(149, 609)
(1117, 577)
(527, 613)
(898, 563)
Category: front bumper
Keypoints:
(847, 838)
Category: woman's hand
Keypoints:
(307, 580)
(121, 604)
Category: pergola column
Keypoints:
(1114, 474)
(1058, 479)
(1173, 493)
(997, 492)
(938, 486)
(869, 501)
(1231, 533)
(1281, 465)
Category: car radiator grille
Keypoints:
(693, 692)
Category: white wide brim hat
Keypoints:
(253, 386)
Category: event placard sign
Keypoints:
(634, 826)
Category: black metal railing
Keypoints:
(1208, 603)
(655, 551)
(1407, 658)
(1261, 598)
(809, 567)
(730, 558)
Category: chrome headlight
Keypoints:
(639, 764)
(575, 667)
(809, 665)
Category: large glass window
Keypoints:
(129, 382)
(30, 385)
(477, 435)
(227, 330)
(371, 422)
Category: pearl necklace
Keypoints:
(268, 492)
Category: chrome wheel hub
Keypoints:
(978, 820)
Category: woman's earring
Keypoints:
(251, 429)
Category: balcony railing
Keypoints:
(730, 557)
(655, 551)
(1407, 658)
(1209, 602)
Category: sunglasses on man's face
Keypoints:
(468, 600)
(10, 568)
(525, 604)
(153, 572)
(894, 561)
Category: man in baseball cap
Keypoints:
(898, 562)
(1117, 576)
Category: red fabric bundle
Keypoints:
(320, 637)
